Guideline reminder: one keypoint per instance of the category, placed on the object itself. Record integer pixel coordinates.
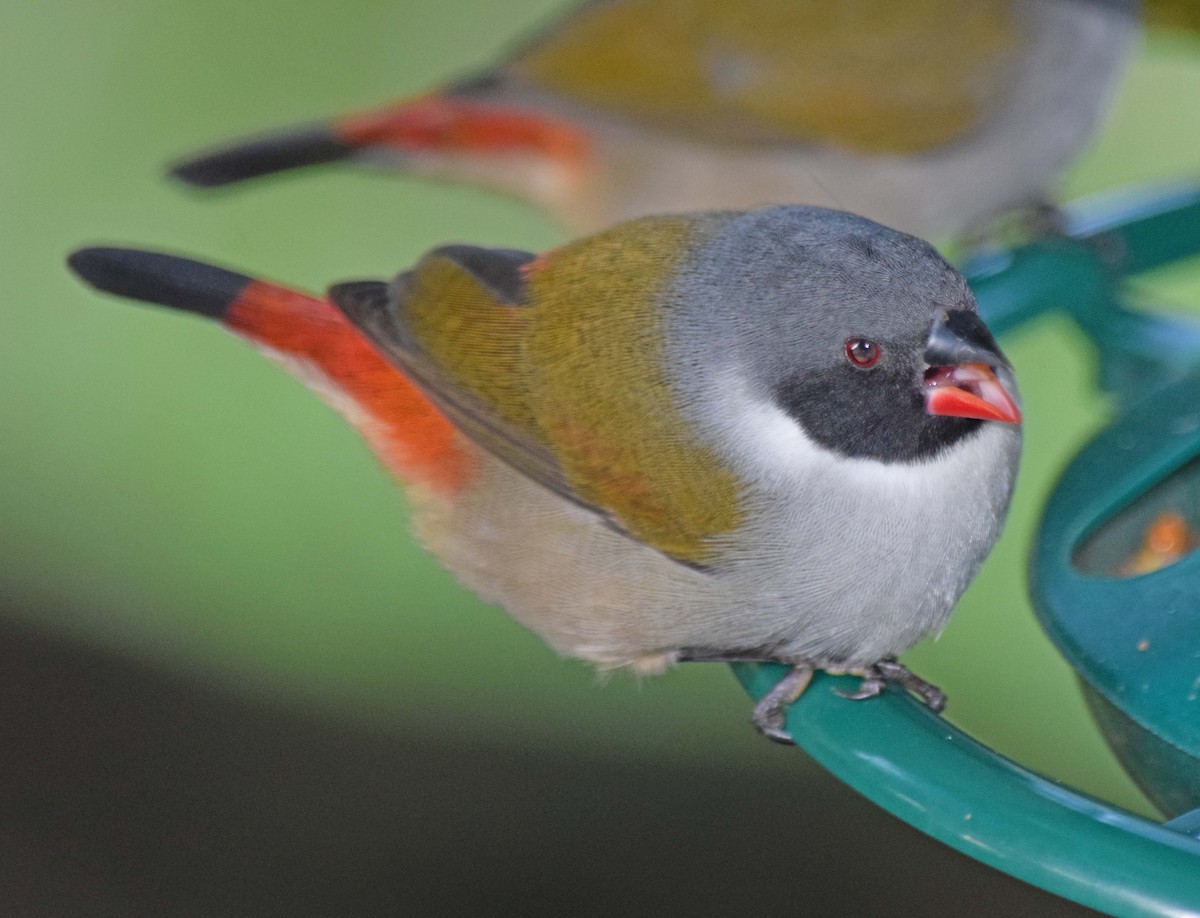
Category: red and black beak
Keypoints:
(963, 360)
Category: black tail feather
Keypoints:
(153, 277)
(262, 156)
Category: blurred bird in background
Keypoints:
(782, 435)
(931, 116)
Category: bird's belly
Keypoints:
(867, 558)
(849, 598)
(794, 586)
(558, 569)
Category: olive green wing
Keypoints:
(901, 77)
(1172, 14)
(454, 325)
(555, 365)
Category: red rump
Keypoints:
(444, 124)
(409, 435)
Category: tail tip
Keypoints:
(199, 173)
(155, 277)
(92, 263)
(108, 268)
(262, 156)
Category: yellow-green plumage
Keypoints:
(474, 338)
(602, 400)
(867, 76)
(578, 370)
(1172, 14)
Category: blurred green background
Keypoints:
(180, 516)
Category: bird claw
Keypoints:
(878, 675)
(776, 734)
(870, 687)
(770, 713)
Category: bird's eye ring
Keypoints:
(862, 352)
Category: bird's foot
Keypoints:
(1036, 219)
(771, 711)
(878, 675)
(1043, 218)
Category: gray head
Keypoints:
(846, 326)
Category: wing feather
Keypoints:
(555, 365)
(901, 77)
(377, 309)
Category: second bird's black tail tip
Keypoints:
(155, 277)
(262, 156)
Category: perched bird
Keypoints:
(930, 116)
(782, 435)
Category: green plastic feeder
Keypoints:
(1133, 640)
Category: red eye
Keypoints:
(863, 353)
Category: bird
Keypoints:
(933, 117)
(782, 435)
